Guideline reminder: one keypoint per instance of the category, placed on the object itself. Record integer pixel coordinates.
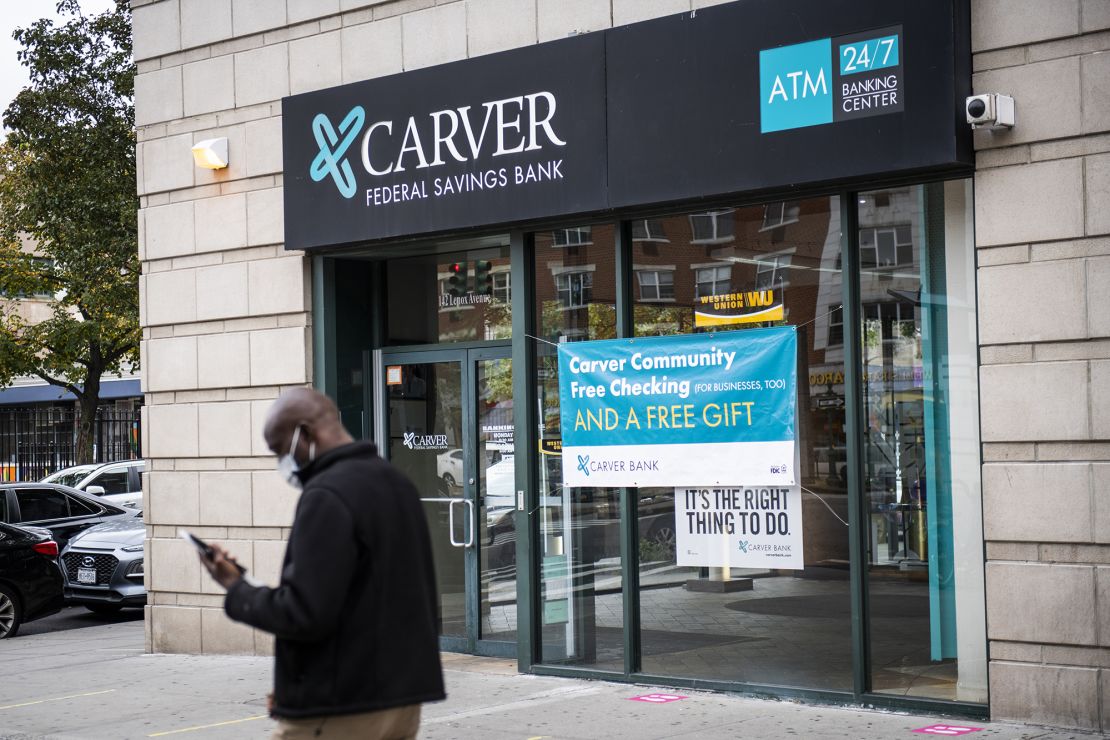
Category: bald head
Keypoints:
(314, 413)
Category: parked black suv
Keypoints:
(30, 579)
(64, 511)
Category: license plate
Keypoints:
(86, 575)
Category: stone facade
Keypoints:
(1042, 229)
(227, 320)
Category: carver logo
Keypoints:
(332, 157)
(801, 85)
(451, 137)
(584, 464)
(415, 441)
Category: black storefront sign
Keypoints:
(753, 96)
(502, 137)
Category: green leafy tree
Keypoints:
(67, 207)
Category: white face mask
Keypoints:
(287, 463)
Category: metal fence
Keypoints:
(36, 441)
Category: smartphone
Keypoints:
(204, 548)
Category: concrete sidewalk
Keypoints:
(96, 682)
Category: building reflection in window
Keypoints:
(581, 584)
(920, 466)
(457, 296)
(576, 284)
(789, 628)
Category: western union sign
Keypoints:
(746, 307)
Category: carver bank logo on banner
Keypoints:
(831, 80)
(460, 135)
(691, 410)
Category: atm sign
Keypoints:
(803, 85)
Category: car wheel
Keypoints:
(103, 608)
(449, 481)
(11, 614)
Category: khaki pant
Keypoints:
(399, 723)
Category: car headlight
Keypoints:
(132, 548)
(135, 570)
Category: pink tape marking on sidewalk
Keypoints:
(657, 698)
(947, 730)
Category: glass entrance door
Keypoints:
(448, 422)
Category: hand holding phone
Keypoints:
(206, 550)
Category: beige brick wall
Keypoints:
(225, 309)
(1042, 195)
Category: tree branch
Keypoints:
(117, 353)
(61, 383)
(79, 360)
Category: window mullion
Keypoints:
(857, 545)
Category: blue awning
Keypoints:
(109, 390)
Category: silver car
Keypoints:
(104, 566)
(70, 476)
(118, 483)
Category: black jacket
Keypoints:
(355, 614)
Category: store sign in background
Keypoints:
(662, 111)
(830, 80)
(695, 409)
(742, 307)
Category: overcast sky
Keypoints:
(19, 14)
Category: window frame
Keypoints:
(507, 288)
(782, 219)
(585, 292)
(716, 219)
(835, 312)
(897, 246)
(567, 243)
(698, 269)
(648, 235)
(780, 262)
(657, 271)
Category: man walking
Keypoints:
(355, 613)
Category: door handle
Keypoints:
(451, 522)
(468, 526)
(469, 522)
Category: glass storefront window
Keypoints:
(704, 271)
(581, 584)
(576, 285)
(459, 296)
(790, 628)
(920, 466)
(496, 464)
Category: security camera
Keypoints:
(990, 110)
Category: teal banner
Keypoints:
(695, 409)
